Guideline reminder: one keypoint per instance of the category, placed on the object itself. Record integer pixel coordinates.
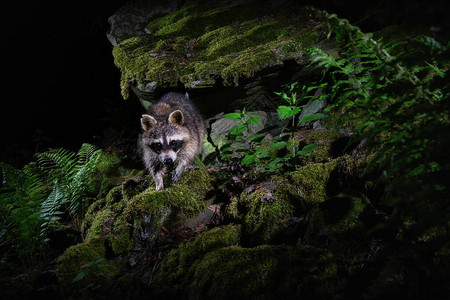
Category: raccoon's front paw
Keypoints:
(159, 187)
(176, 176)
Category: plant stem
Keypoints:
(292, 136)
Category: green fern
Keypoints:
(398, 95)
(36, 197)
(21, 195)
(69, 174)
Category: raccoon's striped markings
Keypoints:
(173, 134)
(176, 145)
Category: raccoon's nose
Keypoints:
(168, 161)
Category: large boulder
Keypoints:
(218, 46)
(131, 19)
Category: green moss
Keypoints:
(96, 226)
(233, 272)
(342, 212)
(115, 195)
(99, 211)
(134, 186)
(179, 266)
(109, 164)
(312, 180)
(111, 224)
(265, 214)
(188, 197)
(120, 237)
(107, 184)
(201, 42)
(323, 140)
(337, 220)
(69, 264)
(118, 216)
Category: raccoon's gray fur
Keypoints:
(173, 134)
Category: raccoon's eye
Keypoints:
(176, 145)
(156, 147)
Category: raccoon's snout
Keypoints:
(168, 161)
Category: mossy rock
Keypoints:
(312, 181)
(338, 219)
(70, 264)
(264, 272)
(204, 42)
(262, 213)
(111, 224)
(185, 199)
(108, 164)
(316, 196)
(118, 216)
(179, 266)
(227, 271)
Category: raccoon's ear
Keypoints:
(176, 117)
(148, 122)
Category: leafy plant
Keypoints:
(258, 152)
(397, 93)
(21, 195)
(69, 174)
(237, 132)
(34, 198)
(294, 98)
(88, 267)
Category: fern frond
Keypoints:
(57, 164)
(13, 179)
(70, 175)
(86, 151)
(49, 207)
(87, 163)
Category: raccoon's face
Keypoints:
(164, 139)
(167, 148)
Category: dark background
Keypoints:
(61, 83)
(62, 88)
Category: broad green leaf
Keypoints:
(285, 112)
(249, 159)
(313, 117)
(263, 153)
(254, 120)
(233, 116)
(237, 130)
(308, 148)
(79, 277)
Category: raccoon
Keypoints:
(173, 135)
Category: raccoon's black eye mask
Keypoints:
(176, 145)
(157, 147)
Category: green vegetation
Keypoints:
(199, 44)
(38, 191)
(40, 199)
(70, 176)
(356, 206)
(269, 156)
(397, 93)
(212, 266)
(21, 196)
(112, 224)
